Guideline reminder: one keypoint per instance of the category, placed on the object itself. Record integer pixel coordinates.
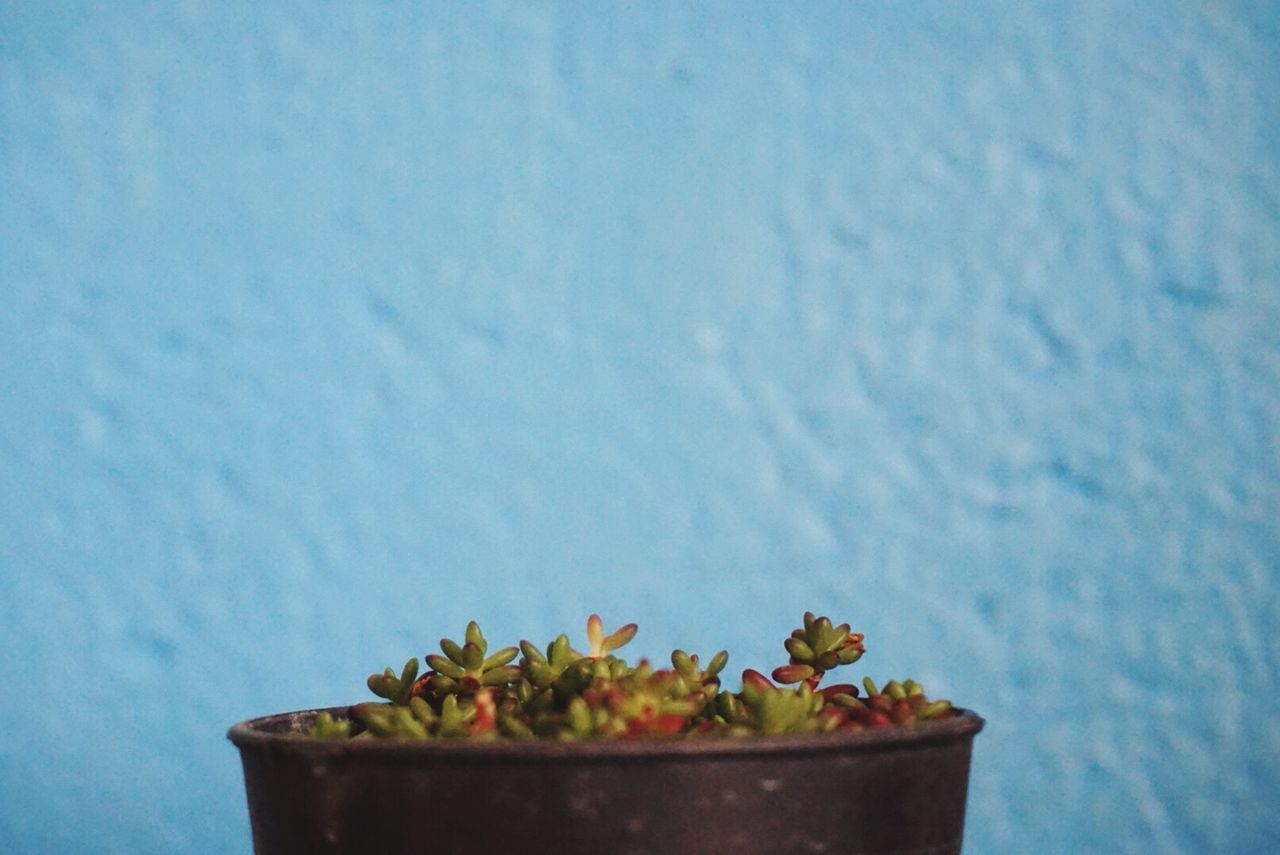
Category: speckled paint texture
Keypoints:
(325, 328)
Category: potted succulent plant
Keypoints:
(564, 751)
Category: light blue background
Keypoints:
(325, 328)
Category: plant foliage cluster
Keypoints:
(557, 692)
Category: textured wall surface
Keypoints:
(324, 329)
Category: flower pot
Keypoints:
(897, 789)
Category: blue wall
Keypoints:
(324, 329)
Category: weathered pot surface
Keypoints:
(883, 790)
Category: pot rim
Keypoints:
(280, 732)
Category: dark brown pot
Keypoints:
(898, 789)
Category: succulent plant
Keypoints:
(556, 692)
(466, 669)
(816, 648)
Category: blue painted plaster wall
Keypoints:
(326, 328)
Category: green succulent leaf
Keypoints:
(452, 650)
(444, 665)
(326, 727)
(502, 657)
